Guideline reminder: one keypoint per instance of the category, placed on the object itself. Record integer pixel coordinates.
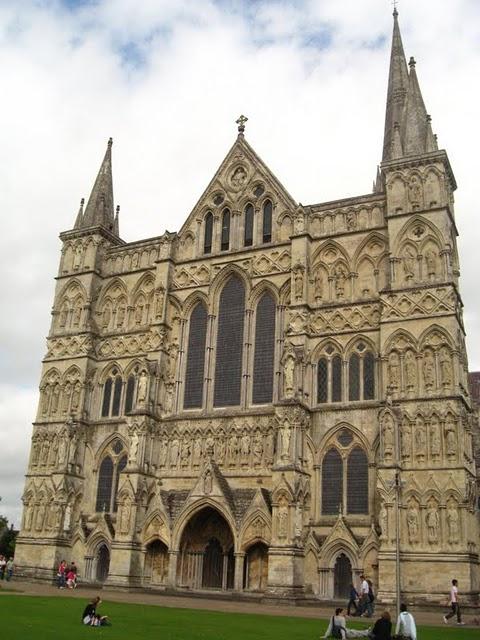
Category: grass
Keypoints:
(27, 617)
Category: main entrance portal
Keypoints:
(206, 559)
(342, 576)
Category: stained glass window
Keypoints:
(248, 232)
(267, 221)
(357, 482)
(129, 393)
(336, 379)
(107, 394)
(354, 377)
(104, 489)
(322, 385)
(332, 482)
(264, 350)
(225, 240)
(208, 233)
(368, 376)
(194, 373)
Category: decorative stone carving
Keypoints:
(410, 370)
(285, 434)
(452, 522)
(388, 434)
(282, 519)
(383, 521)
(415, 192)
(428, 369)
(394, 370)
(432, 521)
(133, 451)
(450, 437)
(445, 367)
(142, 387)
(420, 439)
(435, 438)
(340, 276)
(288, 362)
(412, 522)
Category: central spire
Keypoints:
(100, 207)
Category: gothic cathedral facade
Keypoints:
(267, 399)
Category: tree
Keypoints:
(7, 537)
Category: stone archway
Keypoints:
(342, 577)
(102, 564)
(156, 563)
(256, 567)
(206, 558)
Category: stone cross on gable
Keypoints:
(241, 123)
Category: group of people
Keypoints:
(67, 575)
(6, 568)
(91, 617)
(362, 603)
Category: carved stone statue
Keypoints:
(162, 459)
(340, 278)
(142, 387)
(408, 263)
(388, 436)
(298, 284)
(429, 369)
(420, 438)
(412, 522)
(160, 297)
(288, 374)
(269, 449)
(210, 447)
(435, 442)
(410, 370)
(55, 399)
(197, 452)
(174, 450)
(432, 520)
(257, 449)
(233, 450)
(138, 314)
(450, 437)
(298, 521)
(185, 455)
(431, 262)
(107, 316)
(125, 516)
(452, 522)
(62, 448)
(415, 191)
(76, 396)
(282, 520)
(285, 438)
(351, 221)
(134, 440)
(318, 284)
(207, 482)
(445, 367)
(394, 370)
(245, 448)
(220, 451)
(383, 521)
(62, 321)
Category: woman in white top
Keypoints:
(406, 627)
(337, 628)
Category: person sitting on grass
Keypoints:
(337, 628)
(382, 629)
(406, 627)
(90, 616)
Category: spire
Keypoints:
(116, 228)
(407, 125)
(397, 87)
(99, 210)
(79, 218)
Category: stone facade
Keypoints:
(230, 406)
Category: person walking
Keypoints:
(352, 601)
(454, 605)
(9, 568)
(364, 590)
(406, 627)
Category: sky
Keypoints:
(167, 79)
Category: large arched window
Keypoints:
(357, 482)
(225, 239)
(229, 352)
(329, 377)
(267, 221)
(105, 482)
(332, 482)
(264, 350)
(361, 374)
(194, 373)
(122, 463)
(248, 229)
(208, 233)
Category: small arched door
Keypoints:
(103, 563)
(213, 565)
(342, 577)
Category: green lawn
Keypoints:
(29, 617)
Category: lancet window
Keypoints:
(225, 238)
(345, 478)
(194, 373)
(208, 233)
(267, 222)
(263, 361)
(248, 226)
(108, 477)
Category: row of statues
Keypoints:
(60, 399)
(52, 450)
(432, 369)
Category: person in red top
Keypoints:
(61, 574)
(454, 604)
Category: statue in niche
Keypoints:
(73, 448)
(162, 459)
(452, 522)
(63, 317)
(415, 192)
(197, 452)
(77, 314)
(107, 315)
(62, 448)
(220, 451)
(210, 446)
(233, 450)
(35, 451)
(298, 284)
(420, 438)
(412, 522)
(394, 370)
(257, 449)
(238, 178)
(39, 517)
(388, 435)
(172, 360)
(121, 315)
(410, 370)
(318, 284)
(282, 519)
(435, 442)
(174, 450)
(52, 458)
(431, 261)
(67, 390)
(185, 455)
(46, 394)
(168, 399)
(76, 396)
(288, 373)
(298, 521)
(351, 221)
(383, 521)
(432, 520)
(429, 369)
(45, 450)
(207, 482)
(28, 517)
(269, 448)
(450, 437)
(55, 399)
(285, 438)
(138, 315)
(160, 297)
(77, 260)
(133, 452)
(57, 512)
(245, 448)
(142, 387)
(445, 367)
(340, 278)
(67, 520)
(408, 263)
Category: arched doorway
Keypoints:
(103, 563)
(206, 559)
(256, 567)
(342, 577)
(156, 563)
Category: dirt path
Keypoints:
(205, 603)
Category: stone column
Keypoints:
(239, 564)
(172, 568)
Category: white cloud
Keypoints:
(311, 76)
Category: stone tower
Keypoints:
(274, 398)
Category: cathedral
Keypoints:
(270, 401)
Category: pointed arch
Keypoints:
(264, 351)
(332, 482)
(225, 232)
(194, 371)
(208, 233)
